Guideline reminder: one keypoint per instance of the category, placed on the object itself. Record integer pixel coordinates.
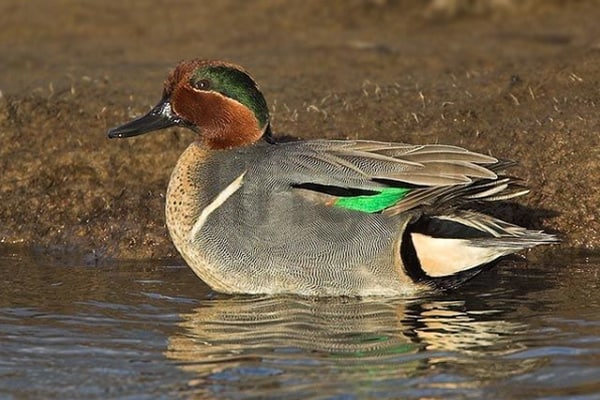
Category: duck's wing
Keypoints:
(376, 176)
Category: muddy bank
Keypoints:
(519, 82)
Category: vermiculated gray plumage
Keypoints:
(276, 230)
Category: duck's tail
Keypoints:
(444, 251)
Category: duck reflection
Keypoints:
(303, 341)
(337, 326)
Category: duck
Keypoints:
(253, 214)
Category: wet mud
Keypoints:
(518, 80)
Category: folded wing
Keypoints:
(350, 173)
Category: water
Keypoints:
(149, 330)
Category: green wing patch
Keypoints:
(373, 203)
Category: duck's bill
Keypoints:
(160, 117)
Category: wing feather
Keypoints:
(437, 173)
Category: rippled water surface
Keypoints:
(147, 330)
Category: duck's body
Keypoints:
(252, 240)
(320, 217)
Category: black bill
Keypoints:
(160, 117)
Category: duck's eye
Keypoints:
(202, 84)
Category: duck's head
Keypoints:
(218, 100)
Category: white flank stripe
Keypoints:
(216, 203)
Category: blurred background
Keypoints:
(516, 79)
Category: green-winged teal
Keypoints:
(320, 217)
